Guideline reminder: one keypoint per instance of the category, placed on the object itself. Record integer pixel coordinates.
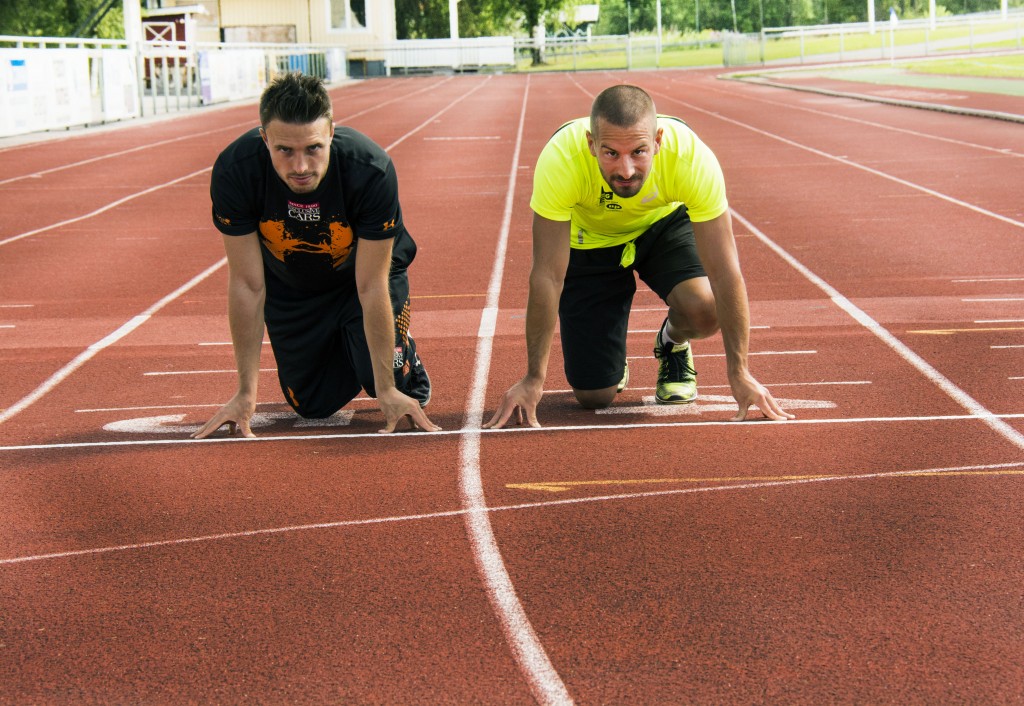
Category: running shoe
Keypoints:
(677, 380)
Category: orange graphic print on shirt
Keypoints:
(335, 242)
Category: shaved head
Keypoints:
(622, 106)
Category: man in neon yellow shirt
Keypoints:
(630, 190)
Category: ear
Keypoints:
(657, 139)
(263, 134)
(591, 143)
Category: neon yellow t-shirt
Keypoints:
(568, 186)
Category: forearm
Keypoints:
(379, 328)
(541, 317)
(734, 321)
(245, 317)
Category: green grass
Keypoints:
(1004, 66)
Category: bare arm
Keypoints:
(550, 260)
(716, 247)
(373, 267)
(246, 294)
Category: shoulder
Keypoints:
(571, 136)
(357, 151)
(246, 151)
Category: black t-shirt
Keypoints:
(308, 240)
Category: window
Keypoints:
(348, 14)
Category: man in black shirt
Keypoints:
(317, 252)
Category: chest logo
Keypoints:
(305, 212)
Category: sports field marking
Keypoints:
(103, 209)
(705, 403)
(951, 331)
(224, 343)
(121, 153)
(989, 279)
(563, 486)
(463, 138)
(901, 349)
(16, 306)
(722, 355)
(999, 321)
(1010, 346)
(990, 470)
(990, 300)
(870, 123)
(746, 427)
(7, 326)
(232, 371)
(110, 339)
(850, 163)
(540, 675)
(447, 296)
(190, 136)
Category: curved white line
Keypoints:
(540, 674)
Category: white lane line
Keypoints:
(901, 349)
(105, 342)
(435, 116)
(994, 469)
(998, 150)
(102, 209)
(540, 674)
(743, 427)
(855, 165)
(462, 138)
(201, 372)
(995, 299)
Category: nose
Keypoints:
(627, 169)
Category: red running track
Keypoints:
(866, 552)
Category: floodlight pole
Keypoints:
(453, 17)
(871, 16)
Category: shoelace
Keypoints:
(675, 366)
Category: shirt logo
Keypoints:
(648, 199)
(305, 212)
(388, 225)
(606, 195)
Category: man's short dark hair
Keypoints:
(295, 98)
(622, 106)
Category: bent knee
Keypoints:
(595, 399)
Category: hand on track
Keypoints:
(236, 414)
(522, 397)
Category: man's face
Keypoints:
(299, 152)
(624, 154)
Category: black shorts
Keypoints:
(594, 309)
(323, 360)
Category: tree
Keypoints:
(59, 18)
